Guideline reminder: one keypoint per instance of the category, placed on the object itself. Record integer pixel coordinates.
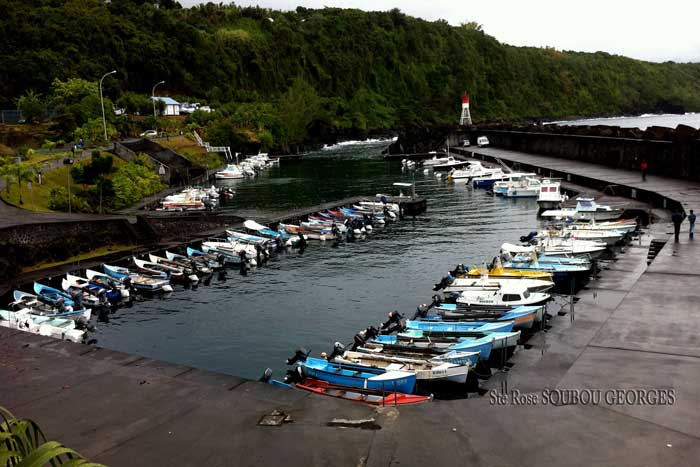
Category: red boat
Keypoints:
(365, 396)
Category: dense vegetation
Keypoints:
(277, 78)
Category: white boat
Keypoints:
(451, 163)
(189, 199)
(106, 281)
(458, 286)
(186, 270)
(586, 210)
(475, 169)
(555, 247)
(550, 196)
(57, 328)
(379, 206)
(232, 251)
(423, 368)
(514, 296)
(528, 187)
(622, 225)
(609, 237)
(435, 161)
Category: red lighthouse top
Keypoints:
(465, 98)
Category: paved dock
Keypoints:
(635, 328)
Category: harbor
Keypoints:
(614, 339)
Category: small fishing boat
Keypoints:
(200, 264)
(586, 210)
(608, 237)
(138, 281)
(423, 368)
(53, 296)
(41, 306)
(246, 238)
(212, 260)
(486, 320)
(107, 282)
(501, 272)
(379, 206)
(435, 161)
(487, 180)
(90, 289)
(175, 267)
(232, 171)
(365, 396)
(451, 335)
(160, 271)
(558, 247)
(506, 299)
(232, 252)
(457, 286)
(520, 179)
(407, 343)
(449, 164)
(63, 329)
(336, 373)
(321, 235)
(264, 231)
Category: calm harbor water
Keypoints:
(642, 121)
(244, 324)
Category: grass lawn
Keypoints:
(190, 150)
(103, 250)
(38, 198)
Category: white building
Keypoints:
(172, 107)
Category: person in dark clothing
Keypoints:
(691, 221)
(676, 218)
(644, 171)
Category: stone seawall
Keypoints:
(26, 245)
(676, 156)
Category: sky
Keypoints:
(644, 29)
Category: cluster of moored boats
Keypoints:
(482, 315)
(195, 199)
(249, 168)
(65, 311)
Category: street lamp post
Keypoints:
(102, 102)
(153, 95)
(18, 160)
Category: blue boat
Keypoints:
(451, 336)
(366, 378)
(483, 345)
(53, 296)
(245, 238)
(558, 271)
(140, 283)
(522, 317)
(39, 306)
(486, 182)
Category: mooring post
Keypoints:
(573, 288)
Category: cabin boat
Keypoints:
(519, 179)
(231, 172)
(586, 210)
(550, 196)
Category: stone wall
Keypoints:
(27, 245)
(673, 153)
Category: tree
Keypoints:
(31, 106)
(298, 107)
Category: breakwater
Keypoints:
(668, 152)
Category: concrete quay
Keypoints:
(637, 327)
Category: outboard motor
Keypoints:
(279, 245)
(295, 375)
(77, 296)
(529, 238)
(437, 301)
(302, 242)
(421, 311)
(299, 356)
(392, 324)
(363, 336)
(266, 376)
(244, 263)
(338, 350)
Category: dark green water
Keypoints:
(244, 324)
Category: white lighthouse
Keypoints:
(466, 118)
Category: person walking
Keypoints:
(644, 170)
(691, 221)
(676, 218)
